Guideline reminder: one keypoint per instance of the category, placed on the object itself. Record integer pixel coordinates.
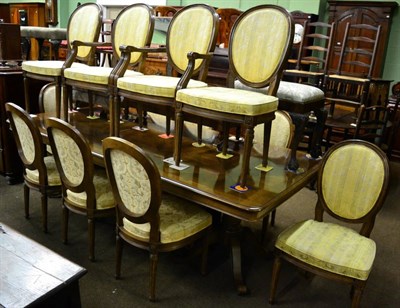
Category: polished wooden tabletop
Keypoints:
(208, 179)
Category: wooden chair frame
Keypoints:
(37, 163)
(86, 185)
(367, 222)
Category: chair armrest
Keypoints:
(187, 75)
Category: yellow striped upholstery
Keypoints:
(48, 67)
(257, 59)
(134, 18)
(348, 78)
(156, 85)
(228, 100)
(25, 138)
(94, 74)
(181, 39)
(352, 194)
(83, 27)
(334, 248)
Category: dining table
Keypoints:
(208, 180)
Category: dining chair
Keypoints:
(146, 217)
(347, 89)
(40, 172)
(133, 29)
(351, 187)
(85, 187)
(314, 53)
(266, 31)
(83, 25)
(192, 33)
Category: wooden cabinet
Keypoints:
(366, 12)
(29, 14)
(11, 90)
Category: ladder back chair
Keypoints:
(147, 218)
(348, 87)
(314, 53)
(40, 172)
(351, 187)
(84, 24)
(85, 187)
(260, 42)
(192, 33)
(133, 29)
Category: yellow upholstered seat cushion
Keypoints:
(47, 67)
(332, 247)
(179, 219)
(164, 86)
(53, 177)
(94, 74)
(104, 196)
(228, 100)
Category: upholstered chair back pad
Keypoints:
(82, 182)
(257, 45)
(346, 193)
(189, 30)
(138, 20)
(84, 25)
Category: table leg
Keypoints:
(234, 231)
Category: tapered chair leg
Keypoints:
(44, 211)
(91, 230)
(65, 218)
(153, 273)
(26, 201)
(118, 256)
(274, 280)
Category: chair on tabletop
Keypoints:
(83, 25)
(314, 53)
(282, 131)
(351, 187)
(133, 28)
(85, 187)
(191, 33)
(258, 65)
(40, 172)
(146, 217)
(348, 87)
(165, 11)
(104, 53)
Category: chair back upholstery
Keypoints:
(358, 52)
(28, 140)
(73, 159)
(84, 25)
(260, 42)
(135, 182)
(282, 130)
(352, 182)
(192, 29)
(133, 26)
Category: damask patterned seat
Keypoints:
(146, 218)
(352, 185)
(40, 171)
(85, 188)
